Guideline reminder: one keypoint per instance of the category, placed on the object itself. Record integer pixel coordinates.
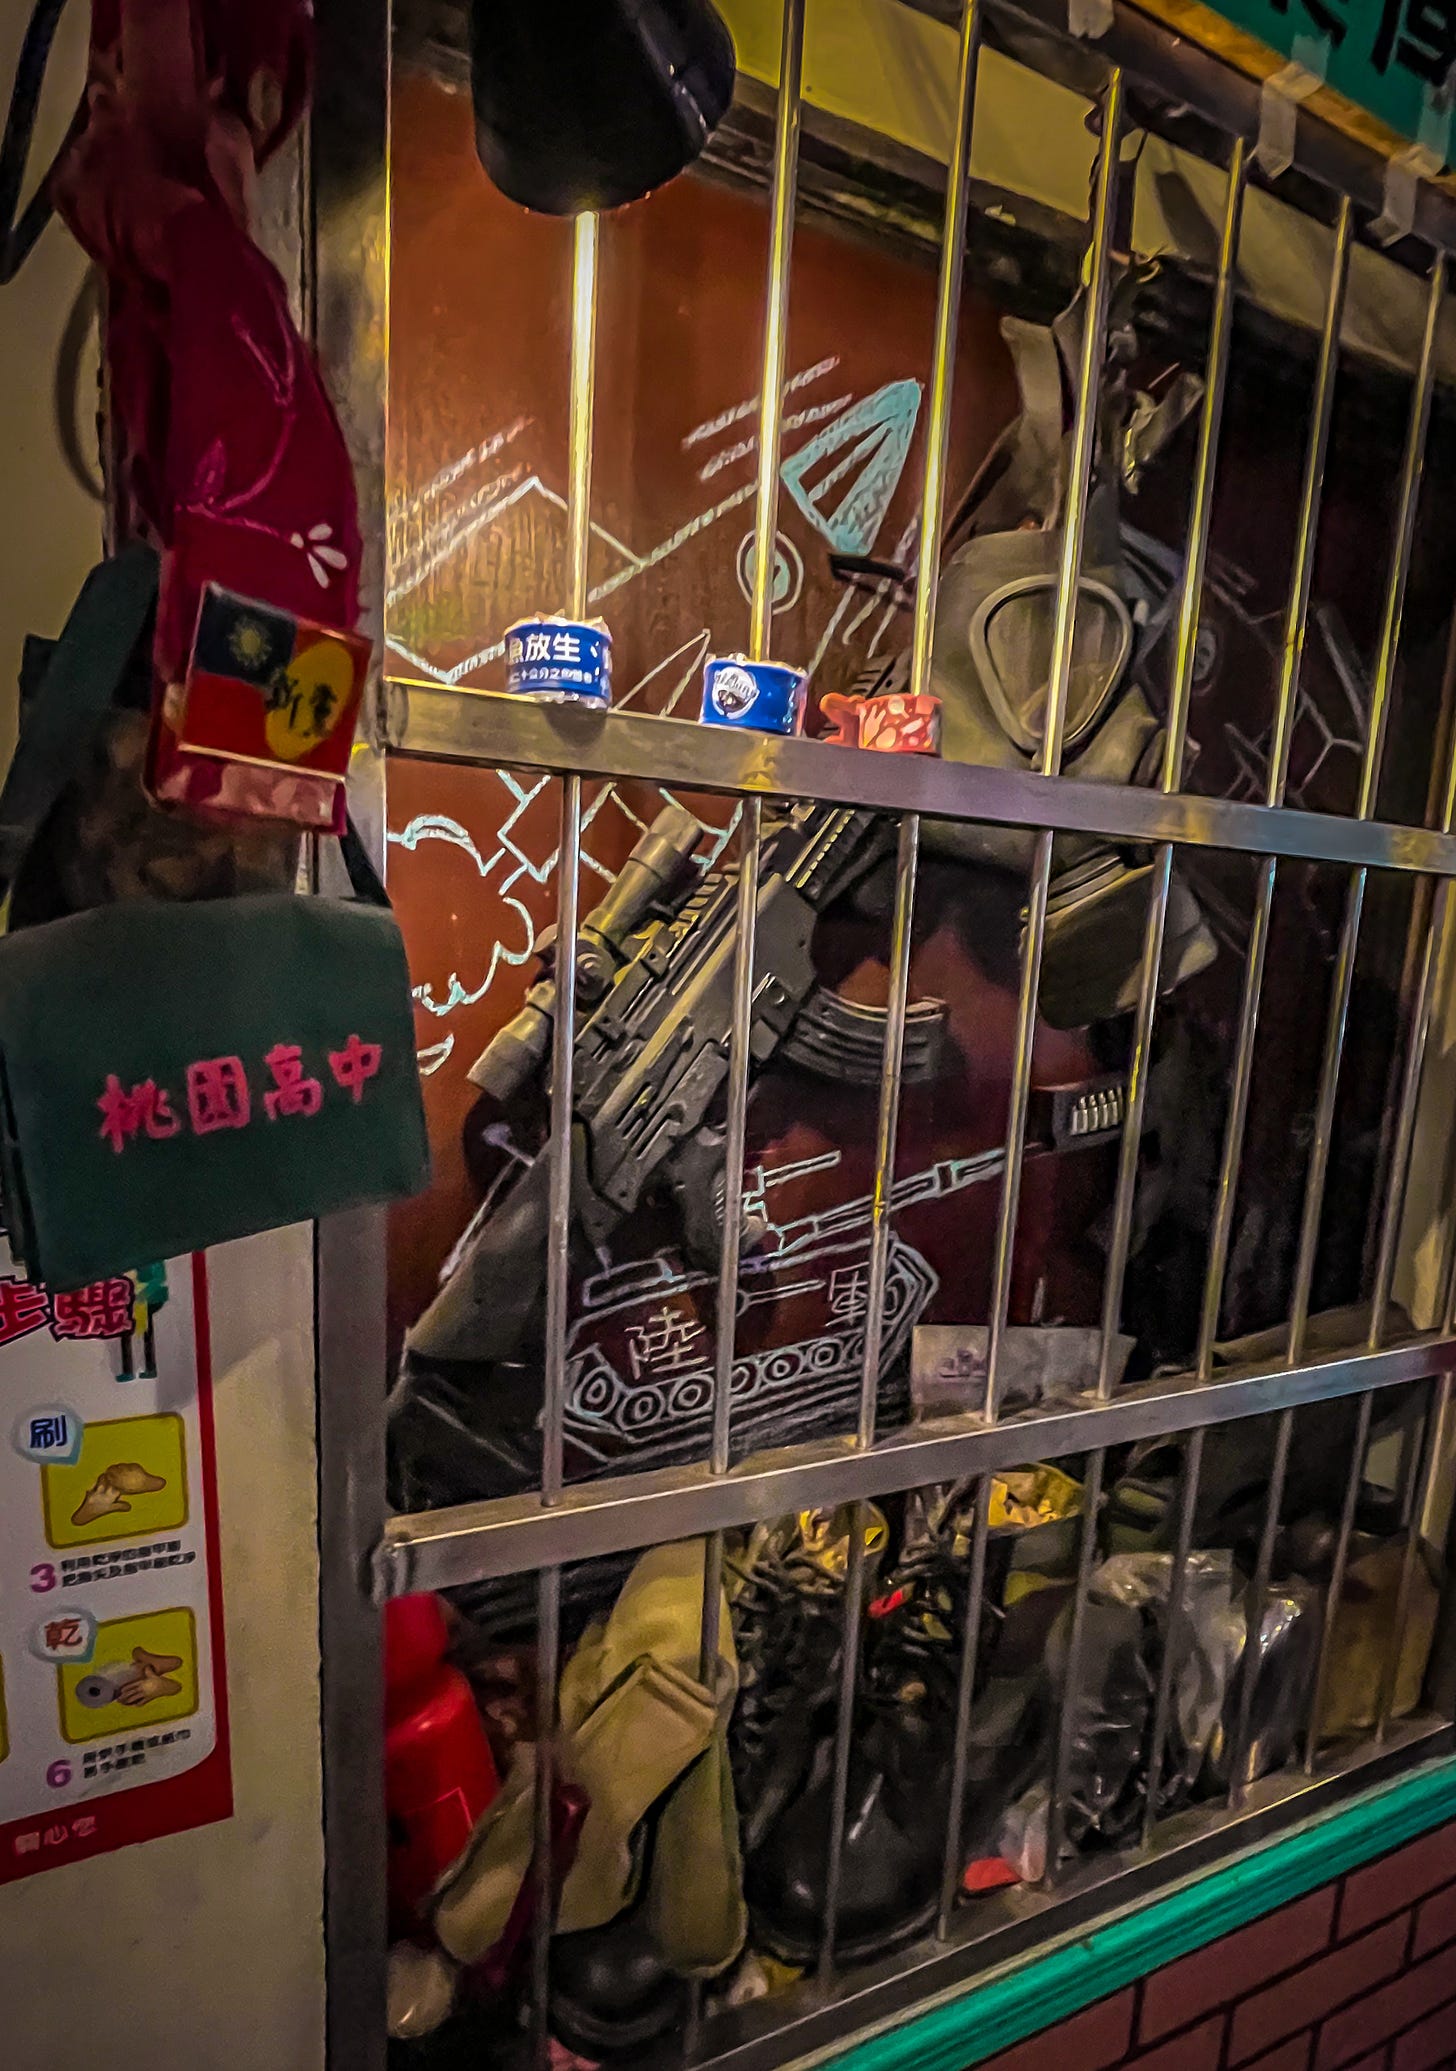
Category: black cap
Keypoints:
(587, 104)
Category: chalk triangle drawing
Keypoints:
(874, 437)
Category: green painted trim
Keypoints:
(1039, 1990)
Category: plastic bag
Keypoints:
(1105, 1770)
(1114, 1712)
(1209, 1638)
(1283, 1669)
(1022, 1840)
(1125, 1627)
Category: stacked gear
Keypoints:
(652, 1894)
(787, 1589)
(901, 1745)
(991, 668)
(695, 1844)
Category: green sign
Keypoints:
(1396, 58)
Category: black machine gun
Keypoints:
(654, 989)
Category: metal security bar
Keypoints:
(789, 113)
(1174, 750)
(765, 549)
(932, 524)
(559, 1149)
(546, 1531)
(1420, 415)
(1292, 655)
(443, 1549)
(496, 732)
(1190, 600)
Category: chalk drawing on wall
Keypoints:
(842, 477)
(857, 447)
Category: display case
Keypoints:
(1009, 1286)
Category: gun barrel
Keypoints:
(519, 1051)
(656, 863)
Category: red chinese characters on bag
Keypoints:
(231, 456)
(218, 1094)
(293, 1092)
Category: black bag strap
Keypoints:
(367, 884)
(84, 673)
(20, 228)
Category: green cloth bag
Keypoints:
(175, 1075)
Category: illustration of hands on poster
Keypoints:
(113, 1712)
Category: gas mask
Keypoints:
(991, 668)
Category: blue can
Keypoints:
(766, 697)
(563, 661)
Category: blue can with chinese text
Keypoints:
(563, 661)
(766, 697)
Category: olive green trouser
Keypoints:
(639, 1734)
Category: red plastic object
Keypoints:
(990, 1873)
(439, 1775)
(416, 1641)
(895, 724)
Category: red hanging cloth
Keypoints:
(231, 458)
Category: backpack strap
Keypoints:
(1021, 476)
(364, 879)
(86, 668)
(21, 228)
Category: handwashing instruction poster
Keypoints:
(113, 1691)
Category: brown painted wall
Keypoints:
(477, 481)
(479, 360)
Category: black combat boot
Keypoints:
(611, 1993)
(786, 1589)
(898, 1805)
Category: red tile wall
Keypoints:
(1360, 1976)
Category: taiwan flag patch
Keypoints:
(263, 726)
(266, 687)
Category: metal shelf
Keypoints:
(499, 732)
(443, 1549)
(1198, 98)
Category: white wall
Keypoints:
(206, 1948)
(203, 1951)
